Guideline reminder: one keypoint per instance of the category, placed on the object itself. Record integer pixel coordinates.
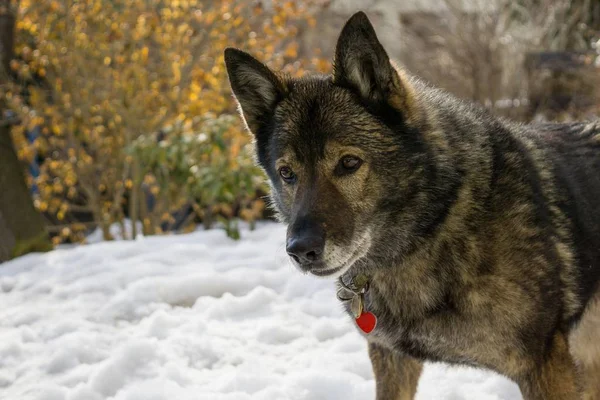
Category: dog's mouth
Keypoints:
(326, 272)
(335, 257)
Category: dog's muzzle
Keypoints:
(305, 244)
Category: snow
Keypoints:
(194, 316)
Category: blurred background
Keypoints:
(116, 115)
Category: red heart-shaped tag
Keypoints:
(366, 322)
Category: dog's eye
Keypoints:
(287, 174)
(349, 164)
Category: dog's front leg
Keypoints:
(555, 378)
(396, 375)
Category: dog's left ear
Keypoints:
(362, 64)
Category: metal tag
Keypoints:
(360, 282)
(357, 305)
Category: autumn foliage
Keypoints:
(134, 110)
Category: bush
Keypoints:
(204, 164)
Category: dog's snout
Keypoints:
(306, 242)
(306, 249)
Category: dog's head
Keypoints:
(339, 149)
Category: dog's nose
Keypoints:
(306, 249)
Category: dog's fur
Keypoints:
(480, 237)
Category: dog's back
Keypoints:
(574, 154)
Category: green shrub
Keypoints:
(205, 163)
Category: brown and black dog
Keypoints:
(477, 238)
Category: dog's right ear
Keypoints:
(256, 88)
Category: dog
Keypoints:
(454, 235)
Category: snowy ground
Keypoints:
(190, 317)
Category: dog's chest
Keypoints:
(402, 330)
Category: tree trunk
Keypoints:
(144, 217)
(22, 228)
(134, 198)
